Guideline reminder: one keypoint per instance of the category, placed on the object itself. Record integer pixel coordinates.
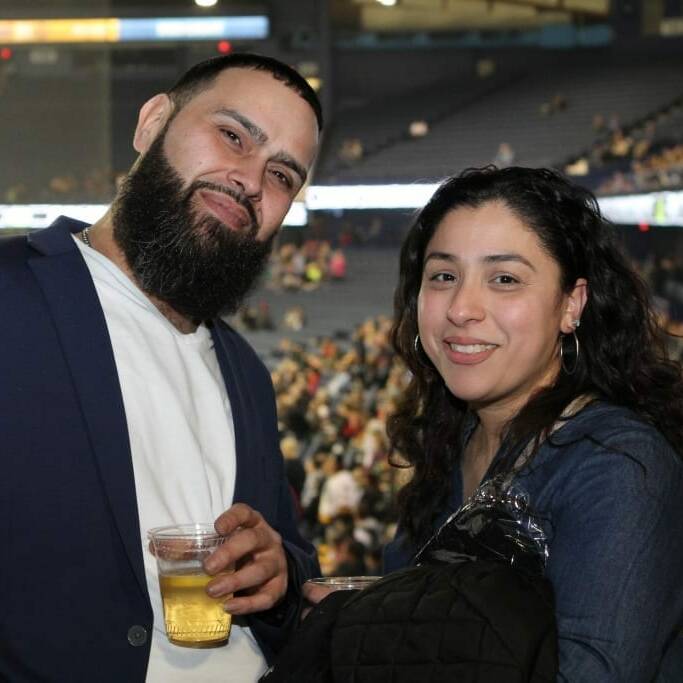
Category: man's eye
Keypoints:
(231, 135)
(282, 178)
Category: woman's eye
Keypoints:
(505, 280)
(442, 277)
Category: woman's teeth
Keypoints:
(471, 348)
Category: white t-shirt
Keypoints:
(183, 447)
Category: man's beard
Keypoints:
(194, 263)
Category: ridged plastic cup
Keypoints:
(192, 617)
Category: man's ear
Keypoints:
(152, 118)
(574, 303)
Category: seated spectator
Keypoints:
(313, 274)
(349, 558)
(505, 156)
(294, 318)
(264, 320)
(340, 492)
(351, 150)
(598, 123)
(337, 265)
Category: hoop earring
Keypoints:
(416, 343)
(563, 354)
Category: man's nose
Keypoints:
(248, 179)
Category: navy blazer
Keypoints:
(74, 604)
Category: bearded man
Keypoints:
(127, 403)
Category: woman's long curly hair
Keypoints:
(623, 350)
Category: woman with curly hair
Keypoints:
(535, 355)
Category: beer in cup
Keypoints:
(193, 618)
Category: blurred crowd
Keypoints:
(647, 156)
(294, 268)
(664, 274)
(333, 397)
(96, 186)
(304, 267)
(661, 169)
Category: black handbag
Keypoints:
(476, 609)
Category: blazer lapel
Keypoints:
(80, 323)
(249, 465)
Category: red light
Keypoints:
(643, 227)
(6, 53)
(224, 47)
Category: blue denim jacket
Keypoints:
(609, 492)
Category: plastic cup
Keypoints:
(192, 617)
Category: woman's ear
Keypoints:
(152, 118)
(574, 303)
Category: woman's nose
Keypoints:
(466, 305)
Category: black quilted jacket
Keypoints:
(472, 622)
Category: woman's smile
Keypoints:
(468, 352)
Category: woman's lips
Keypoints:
(226, 209)
(468, 352)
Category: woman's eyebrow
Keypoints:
(440, 256)
(498, 258)
(490, 258)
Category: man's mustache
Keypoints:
(236, 196)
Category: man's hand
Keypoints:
(255, 549)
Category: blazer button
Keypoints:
(137, 635)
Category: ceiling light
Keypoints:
(205, 3)
(387, 3)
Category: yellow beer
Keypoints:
(192, 617)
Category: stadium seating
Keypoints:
(471, 124)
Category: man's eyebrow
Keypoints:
(260, 137)
(491, 258)
(258, 134)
